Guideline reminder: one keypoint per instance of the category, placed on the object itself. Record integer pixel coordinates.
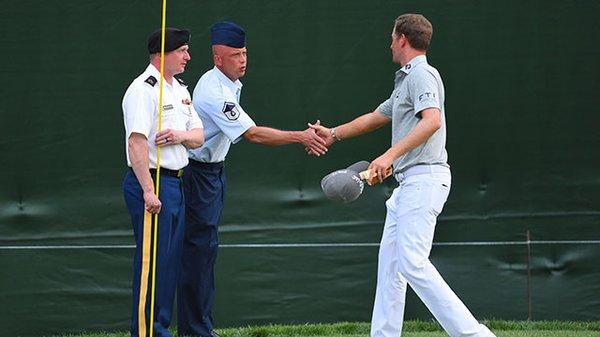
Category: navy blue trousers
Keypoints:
(168, 253)
(204, 188)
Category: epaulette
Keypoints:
(151, 80)
(182, 82)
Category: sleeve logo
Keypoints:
(426, 95)
(230, 110)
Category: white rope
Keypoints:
(319, 245)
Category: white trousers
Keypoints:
(406, 242)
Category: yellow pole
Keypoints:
(157, 188)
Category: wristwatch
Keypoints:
(334, 136)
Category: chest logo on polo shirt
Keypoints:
(230, 110)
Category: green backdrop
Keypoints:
(521, 98)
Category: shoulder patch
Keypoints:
(151, 80)
(182, 82)
(230, 110)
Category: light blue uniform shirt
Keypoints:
(418, 86)
(217, 100)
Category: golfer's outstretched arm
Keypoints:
(363, 124)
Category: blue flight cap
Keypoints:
(228, 34)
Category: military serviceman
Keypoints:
(418, 154)
(217, 101)
(181, 129)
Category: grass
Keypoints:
(411, 329)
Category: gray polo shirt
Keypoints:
(418, 86)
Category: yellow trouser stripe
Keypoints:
(144, 274)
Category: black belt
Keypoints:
(206, 166)
(167, 172)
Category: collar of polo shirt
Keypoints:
(412, 64)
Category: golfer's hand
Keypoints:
(313, 144)
(380, 168)
(323, 133)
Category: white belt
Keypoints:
(421, 169)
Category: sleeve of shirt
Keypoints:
(425, 91)
(225, 112)
(138, 111)
(385, 108)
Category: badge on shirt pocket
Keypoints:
(187, 106)
(230, 110)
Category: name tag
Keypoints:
(168, 107)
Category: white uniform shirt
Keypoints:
(217, 101)
(140, 115)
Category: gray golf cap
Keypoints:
(359, 166)
(344, 185)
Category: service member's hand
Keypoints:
(151, 202)
(322, 132)
(313, 144)
(170, 137)
(381, 168)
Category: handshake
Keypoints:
(317, 139)
(344, 185)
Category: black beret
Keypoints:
(228, 34)
(174, 38)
